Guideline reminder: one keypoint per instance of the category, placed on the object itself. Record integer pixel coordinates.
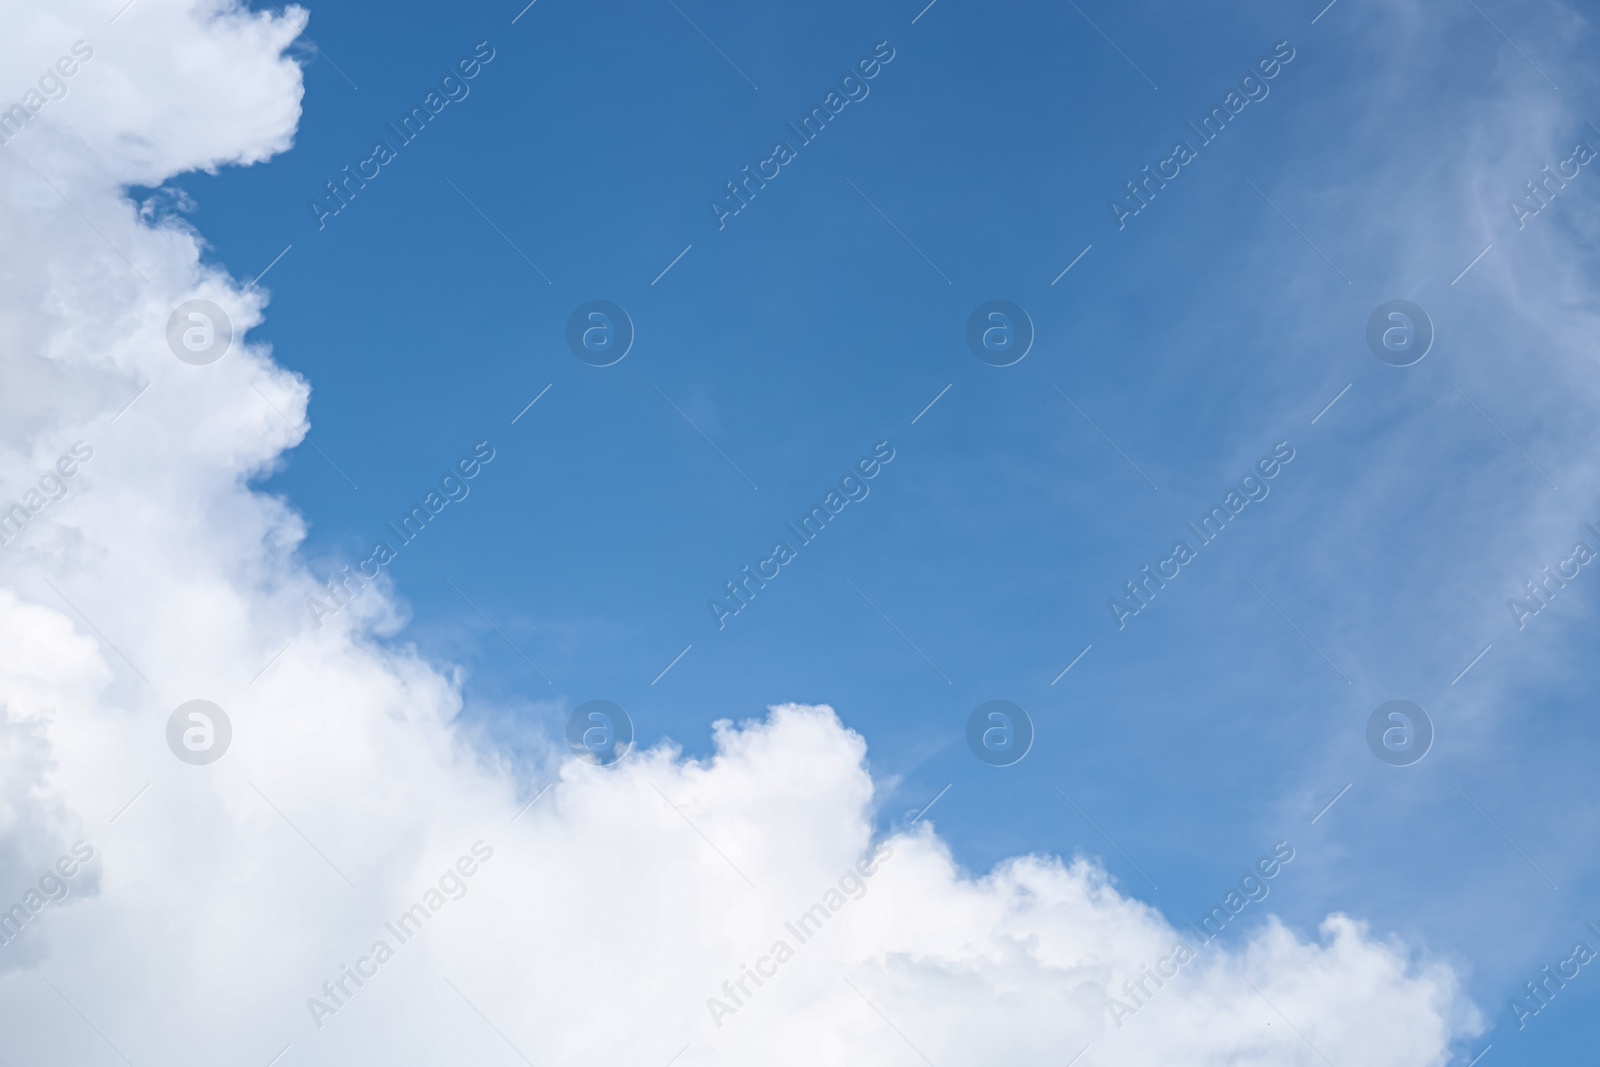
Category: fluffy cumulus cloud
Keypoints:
(354, 881)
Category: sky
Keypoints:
(1009, 323)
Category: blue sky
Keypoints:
(1175, 354)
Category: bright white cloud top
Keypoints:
(224, 908)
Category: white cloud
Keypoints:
(223, 897)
